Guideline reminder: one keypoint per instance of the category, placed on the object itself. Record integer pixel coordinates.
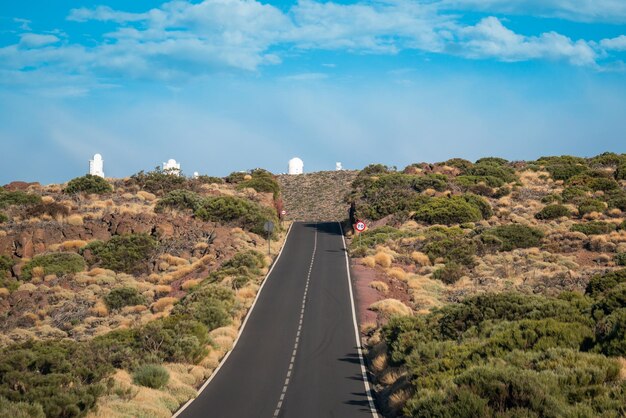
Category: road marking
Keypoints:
(243, 326)
(295, 346)
(368, 390)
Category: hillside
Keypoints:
(119, 297)
(494, 288)
(317, 196)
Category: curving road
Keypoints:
(297, 355)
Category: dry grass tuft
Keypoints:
(163, 289)
(380, 286)
(391, 375)
(163, 304)
(143, 195)
(100, 310)
(190, 284)
(397, 273)
(76, 220)
(38, 272)
(4, 292)
(420, 258)
(383, 259)
(369, 261)
(398, 399)
(72, 245)
(391, 307)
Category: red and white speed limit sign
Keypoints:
(360, 226)
(283, 212)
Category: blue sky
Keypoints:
(225, 85)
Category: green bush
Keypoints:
(575, 193)
(459, 163)
(18, 198)
(3, 218)
(491, 169)
(607, 159)
(204, 179)
(492, 160)
(179, 200)
(177, 339)
(611, 300)
(620, 173)
(20, 409)
(453, 249)
(448, 211)
(551, 198)
(602, 282)
(236, 177)
(244, 213)
(262, 181)
(254, 261)
(123, 296)
(61, 376)
(88, 184)
(480, 203)
(436, 182)
(617, 201)
(449, 274)
(55, 263)
(123, 253)
(566, 171)
(153, 376)
(6, 263)
(611, 333)
(515, 236)
(552, 212)
(158, 181)
(620, 259)
(591, 205)
(594, 228)
(471, 181)
(210, 305)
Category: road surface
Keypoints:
(297, 355)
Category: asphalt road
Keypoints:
(297, 356)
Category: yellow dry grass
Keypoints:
(100, 310)
(380, 286)
(72, 245)
(76, 220)
(27, 287)
(163, 289)
(38, 271)
(174, 261)
(4, 292)
(143, 195)
(420, 259)
(391, 375)
(368, 261)
(397, 273)
(190, 284)
(379, 361)
(391, 307)
(383, 259)
(398, 399)
(163, 304)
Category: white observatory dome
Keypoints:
(296, 166)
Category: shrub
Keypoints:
(480, 203)
(552, 212)
(123, 253)
(234, 210)
(448, 210)
(180, 200)
(459, 163)
(177, 339)
(18, 198)
(611, 333)
(611, 300)
(575, 193)
(158, 181)
(54, 263)
(593, 228)
(449, 274)
(603, 282)
(620, 259)
(236, 177)
(491, 169)
(6, 263)
(20, 409)
(210, 305)
(492, 160)
(51, 209)
(123, 296)
(204, 179)
(3, 218)
(470, 181)
(566, 171)
(457, 250)
(617, 201)
(251, 260)
(515, 236)
(437, 182)
(607, 159)
(591, 205)
(620, 173)
(88, 184)
(153, 376)
(386, 195)
(262, 181)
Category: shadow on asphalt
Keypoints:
(331, 228)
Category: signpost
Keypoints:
(269, 228)
(282, 218)
(360, 226)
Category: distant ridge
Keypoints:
(317, 196)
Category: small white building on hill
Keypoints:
(172, 167)
(296, 166)
(96, 166)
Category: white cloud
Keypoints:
(34, 40)
(491, 39)
(576, 10)
(614, 44)
(105, 14)
(24, 23)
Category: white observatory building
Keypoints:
(96, 166)
(172, 167)
(296, 166)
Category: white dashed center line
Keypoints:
(295, 345)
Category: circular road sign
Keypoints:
(269, 226)
(360, 226)
(283, 212)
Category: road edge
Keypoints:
(241, 329)
(366, 382)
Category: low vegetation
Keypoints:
(88, 184)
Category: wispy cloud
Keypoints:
(181, 39)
